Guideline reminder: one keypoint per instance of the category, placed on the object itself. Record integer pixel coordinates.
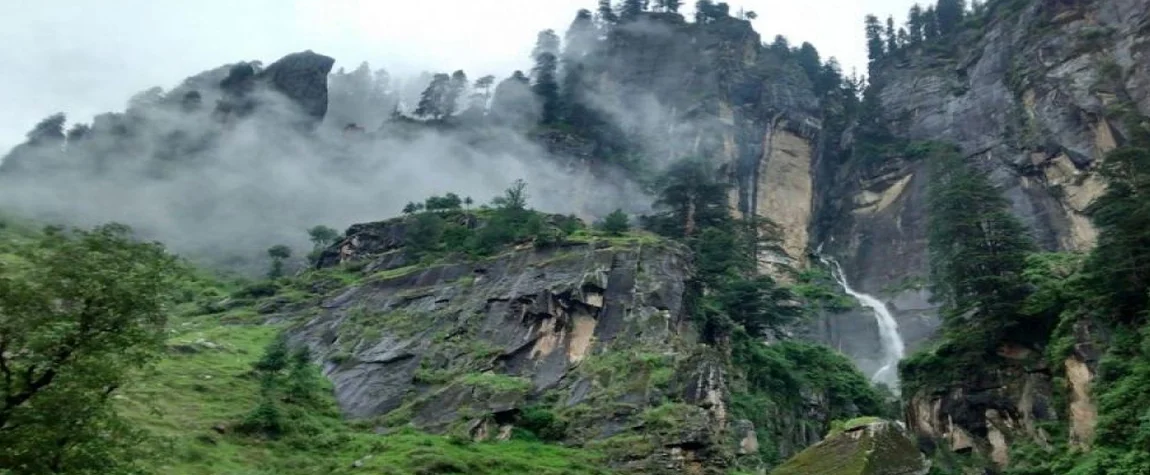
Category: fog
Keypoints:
(228, 190)
(86, 58)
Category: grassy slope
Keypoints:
(204, 383)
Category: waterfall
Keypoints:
(889, 339)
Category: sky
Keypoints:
(85, 57)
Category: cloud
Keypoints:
(230, 190)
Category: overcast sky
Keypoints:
(84, 57)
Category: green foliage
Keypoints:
(1119, 267)
(278, 254)
(83, 314)
(289, 384)
(977, 250)
(616, 223)
(543, 423)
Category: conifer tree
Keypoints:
(691, 196)
(630, 10)
(1119, 267)
(482, 94)
(929, 24)
(914, 24)
(513, 102)
(874, 42)
(455, 90)
(606, 13)
(949, 15)
(977, 249)
(433, 101)
(705, 10)
(545, 73)
(671, 6)
(580, 37)
(891, 35)
(808, 58)
(48, 130)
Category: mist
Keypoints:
(223, 191)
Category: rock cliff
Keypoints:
(596, 334)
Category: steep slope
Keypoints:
(1036, 94)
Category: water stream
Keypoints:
(890, 341)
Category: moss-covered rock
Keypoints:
(861, 448)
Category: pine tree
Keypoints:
(1119, 267)
(949, 14)
(903, 37)
(977, 249)
(671, 6)
(513, 103)
(455, 90)
(482, 94)
(690, 197)
(929, 24)
(545, 73)
(874, 41)
(808, 58)
(705, 10)
(580, 37)
(606, 13)
(914, 24)
(891, 35)
(630, 10)
(48, 130)
(433, 101)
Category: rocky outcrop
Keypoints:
(1036, 96)
(714, 90)
(861, 448)
(987, 411)
(595, 334)
(301, 78)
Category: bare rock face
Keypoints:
(1035, 97)
(302, 77)
(595, 333)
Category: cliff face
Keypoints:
(1036, 97)
(595, 333)
(714, 90)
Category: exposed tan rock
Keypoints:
(1083, 412)
(784, 190)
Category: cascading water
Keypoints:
(889, 339)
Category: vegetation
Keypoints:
(997, 289)
(81, 313)
(736, 306)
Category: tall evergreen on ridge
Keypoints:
(874, 42)
(455, 91)
(914, 24)
(607, 13)
(545, 75)
(433, 101)
(631, 9)
(930, 24)
(949, 15)
(977, 249)
(891, 35)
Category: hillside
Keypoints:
(706, 253)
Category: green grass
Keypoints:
(205, 382)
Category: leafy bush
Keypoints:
(543, 423)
